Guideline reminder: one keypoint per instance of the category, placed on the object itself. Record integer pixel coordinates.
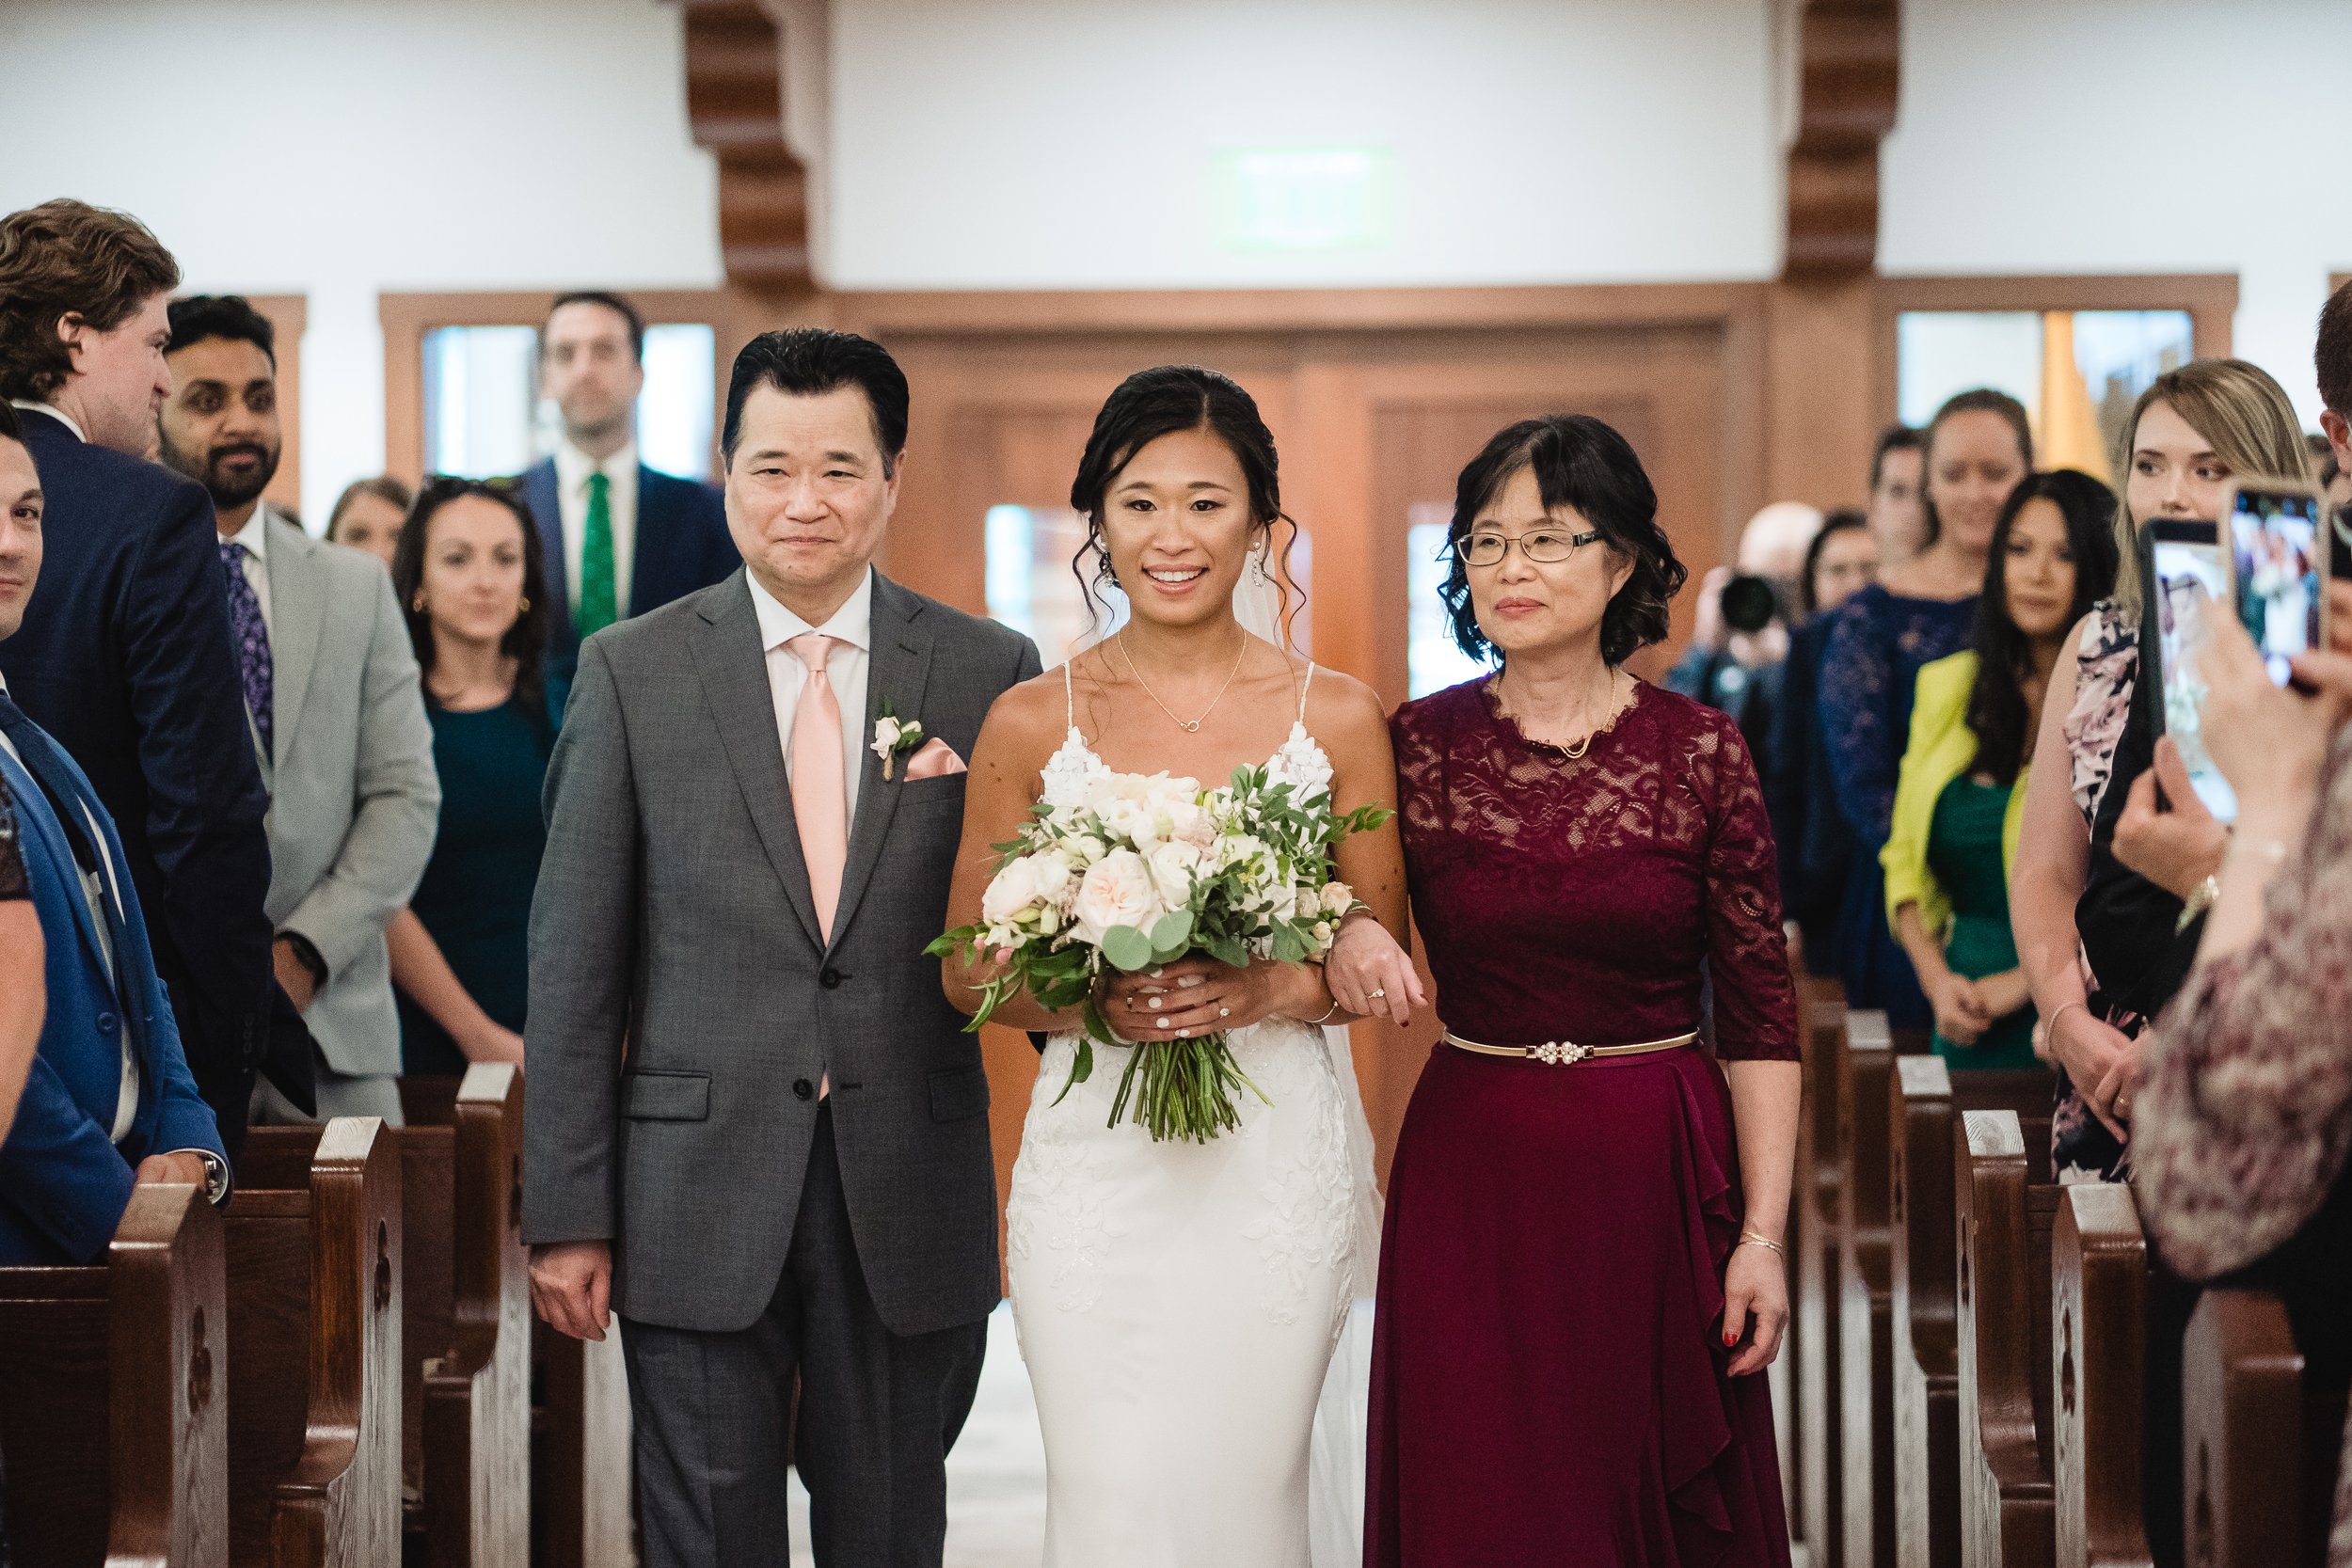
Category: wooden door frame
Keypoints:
(2210, 300)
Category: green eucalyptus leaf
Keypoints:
(1127, 947)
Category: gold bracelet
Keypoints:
(1318, 1022)
(1749, 1236)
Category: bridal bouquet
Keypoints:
(1140, 872)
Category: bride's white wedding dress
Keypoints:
(1178, 1302)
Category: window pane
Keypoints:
(484, 417)
(1431, 661)
(2077, 372)
(1030, 587)
(673, 412)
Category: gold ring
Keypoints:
(1375, 995)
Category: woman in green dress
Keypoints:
(471, 582)
(1957, 805)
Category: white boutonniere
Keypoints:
(894, 736)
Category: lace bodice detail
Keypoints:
(1579, 898)
(1300, 761)
(1878, 642)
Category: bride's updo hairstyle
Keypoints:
(1583, 463)
(1161, 401)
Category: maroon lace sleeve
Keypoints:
(1747, 948)
(1576, 899)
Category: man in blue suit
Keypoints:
(620, 538)
(109, 1102)
(125, 659)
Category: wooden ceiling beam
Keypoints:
(1848, 69)
(735, 105)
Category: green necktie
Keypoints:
(599, 604)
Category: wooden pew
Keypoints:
(1925, 1097)
(112, 1414)
(2261, 1448)
(2006, 1205)
(581, 1476)
(1815, 1495)
(313, 1363)
(1865, 1066)
(2099, 1262)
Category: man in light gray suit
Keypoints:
(755, 1128)
(336, 708)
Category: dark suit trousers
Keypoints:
(878, 1414)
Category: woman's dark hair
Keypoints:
(1161, 401)
(1844, 520)
(1578, 462)
(1996, 706)
(525, 641)
(1981, 400)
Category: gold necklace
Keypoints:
(1190, 726)
(1576, 752)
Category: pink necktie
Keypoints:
(821, 805)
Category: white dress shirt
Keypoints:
(94, 893)
(846, 665)
(572, 468)
(254, 537)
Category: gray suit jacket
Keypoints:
(353, 797)
(683, 1006)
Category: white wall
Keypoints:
(1073, 143)
(341, 147)
(2131, 136)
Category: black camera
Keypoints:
(1750, 603)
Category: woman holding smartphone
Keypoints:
(1959, 803)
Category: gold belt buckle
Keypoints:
(1560, 1053)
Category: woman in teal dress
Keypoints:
(1958, 800)
(472, 584)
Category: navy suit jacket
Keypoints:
(124, 657)
(682, 546)
(64, 1182)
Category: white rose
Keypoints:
(886, 731)
(1051, 874)
(1086, 849)
(1134, 820)
(1174, 865)
(1338, 897)
(1117, 890)
(1011, 891)
(1308, 904)
(1188, 824)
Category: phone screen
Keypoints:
(2274, 536)
(2340, 544)
(2189, 591)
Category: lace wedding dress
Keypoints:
(1178, 1304)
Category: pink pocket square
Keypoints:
(933, 759)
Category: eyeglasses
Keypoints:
(1545, 545)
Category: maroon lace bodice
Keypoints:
(1575, 899)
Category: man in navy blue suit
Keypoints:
(620, 538)
(109, 1102)
(125, 658)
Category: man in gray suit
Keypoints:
(756, 1128)
(337, 713)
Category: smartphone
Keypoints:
(2339, 545)
(2279, 545)
(2187, 577)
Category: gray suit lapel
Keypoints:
(733, 670)
(896, 670)
(297, 613)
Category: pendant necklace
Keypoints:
(1190, 726)
(1583, 742)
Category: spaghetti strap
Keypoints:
(1303, 686)
(1069, 698)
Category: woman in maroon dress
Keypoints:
(1575, 1295)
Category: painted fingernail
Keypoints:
(1730, 1339)
(1159, 1023)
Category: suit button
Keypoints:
(803, 1088)
(831, 978)
(108, 1023)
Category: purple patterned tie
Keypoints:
(250, 633)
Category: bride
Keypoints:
(1178, 1302)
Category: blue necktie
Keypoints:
(250, 633)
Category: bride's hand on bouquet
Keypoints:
(1369, 974)
(1198, 995)
(1755, 1306)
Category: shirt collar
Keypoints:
(853, 623)
(573, 465)
(254, 535)
(55, 413)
